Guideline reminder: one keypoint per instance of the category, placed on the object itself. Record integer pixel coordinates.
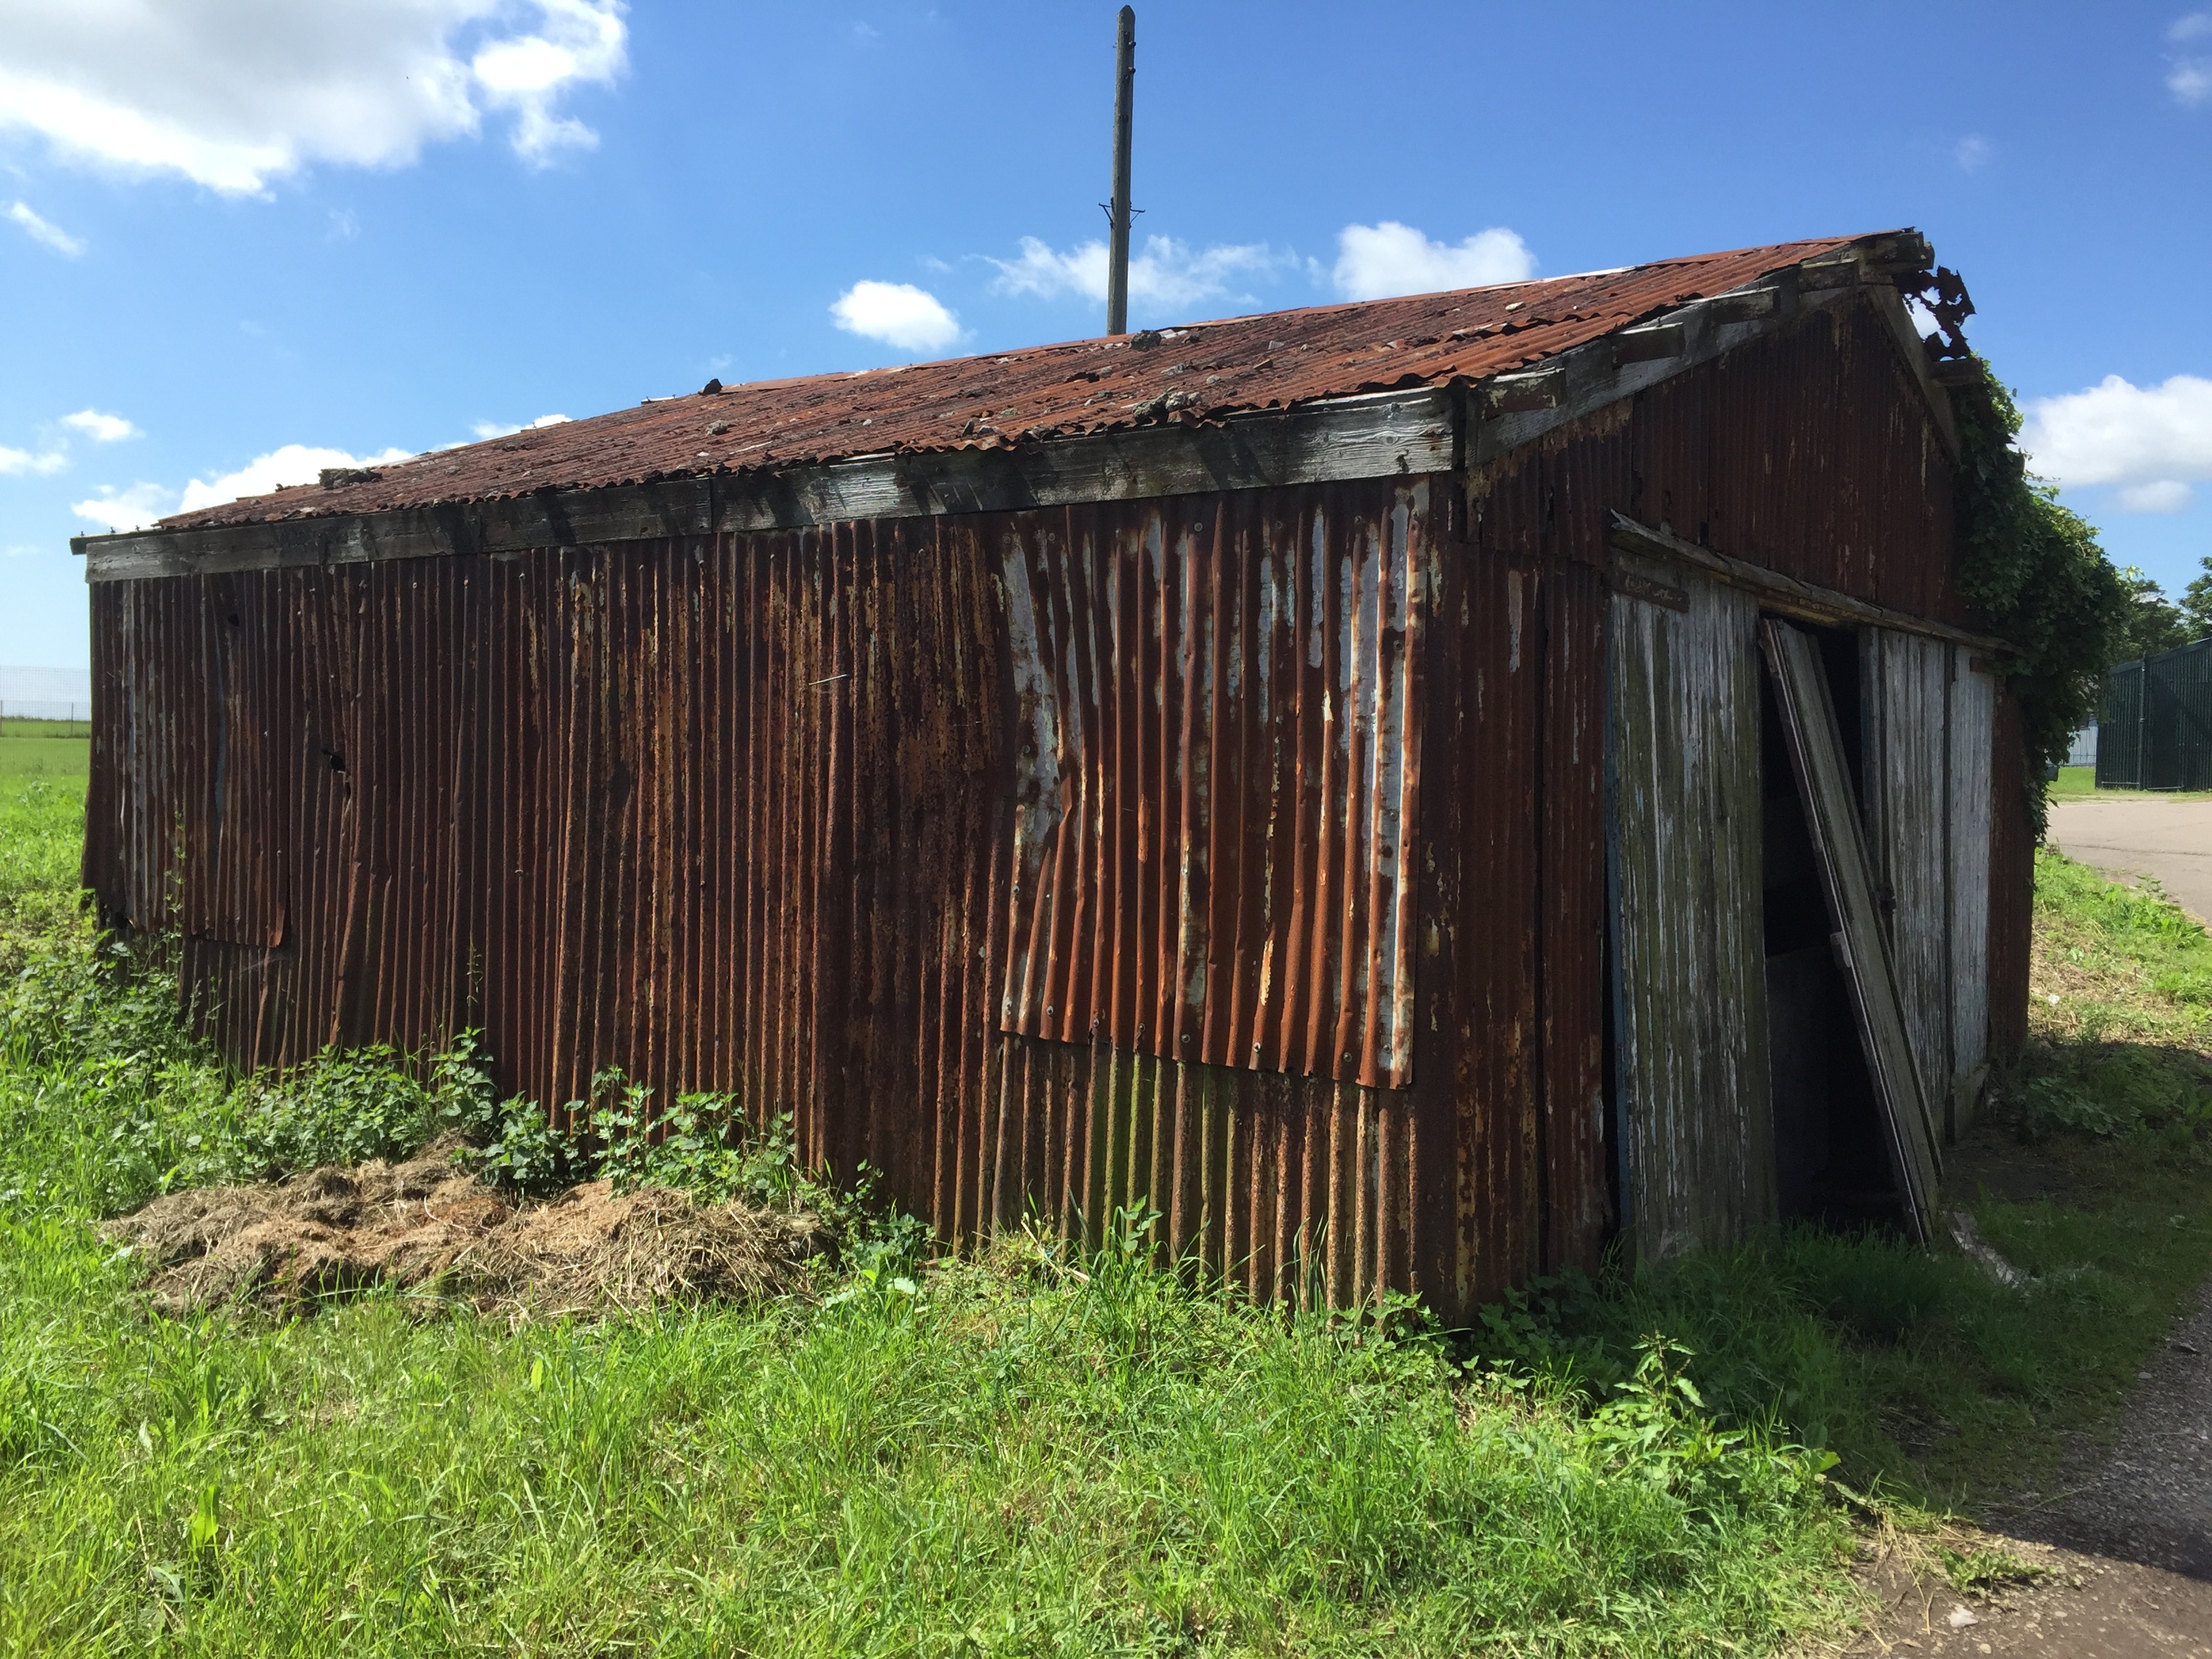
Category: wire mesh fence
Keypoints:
(2155, 731)
(34, 717)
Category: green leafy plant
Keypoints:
(2036, 571)
(527, 1153)
(1979, 1571)
(1657, 1427)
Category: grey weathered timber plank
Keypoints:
(1904, 691)
(1689, 960)
(1653, 343)
(1972, 738)
(1376, 434)
(1806, 601)
(1816, 755)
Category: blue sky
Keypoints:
(232, 227)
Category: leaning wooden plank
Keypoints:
(1816, 755)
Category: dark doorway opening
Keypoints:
(1831, 1162)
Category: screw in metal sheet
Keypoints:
(1186, 1037)
(1347, 1056)
(1051, 1013)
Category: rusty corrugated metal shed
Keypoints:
(1188, 375)
(748, 811)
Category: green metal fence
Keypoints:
(2155, 731)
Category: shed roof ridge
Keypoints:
(1248, 363)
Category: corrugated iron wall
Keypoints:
(1217, 777)
(744, 815)
(1811, 452)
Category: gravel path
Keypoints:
(2128, 1540)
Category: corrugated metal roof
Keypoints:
(1199, 372)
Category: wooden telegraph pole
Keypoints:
(1117, 211)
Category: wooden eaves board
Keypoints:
(1816, 755)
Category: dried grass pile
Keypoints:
(430, 1223)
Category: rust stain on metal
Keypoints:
(1217, 779)
(739, 815)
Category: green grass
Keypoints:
(18, 725)
(2073, 783)
(2093, 1177)
(1026, 1452)
(2080, 783)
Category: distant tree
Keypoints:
(2154, 623)
(2196, 603)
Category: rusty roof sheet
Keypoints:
(1199, 372)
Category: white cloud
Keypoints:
(582, 40)
(1164, 273)
(232, 93)
(40, 230)
(101, 429)
(2152, 441)
(124, 509)
(17, 463)
(899, 314)
(1973, 153)
(2190, 78)
(2162, 495)
(1375, 262)
(294, 464)
(502, 429)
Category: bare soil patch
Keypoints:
(2081, 1606)
(2125, 1544)
(430, 1223)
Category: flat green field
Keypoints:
(44, 758)
(14, 726)
(2073, 781)
(2080, 783)
(1028, 1450)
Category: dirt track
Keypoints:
(2127, 1539)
